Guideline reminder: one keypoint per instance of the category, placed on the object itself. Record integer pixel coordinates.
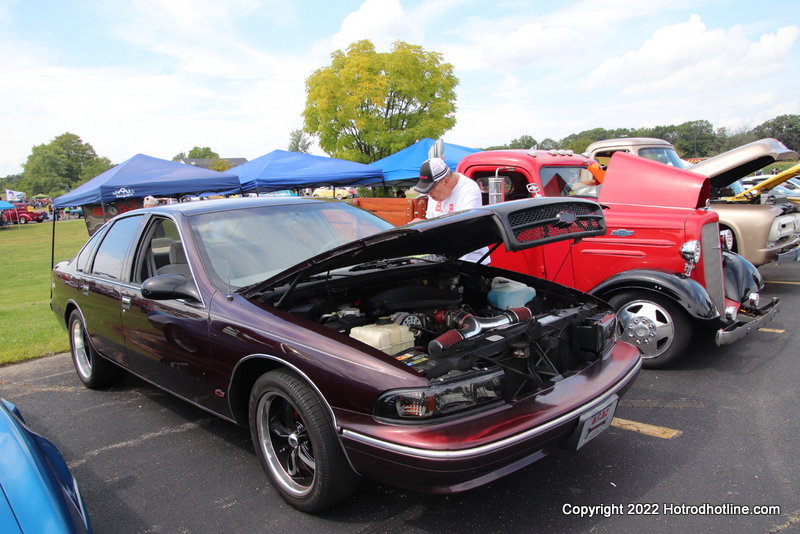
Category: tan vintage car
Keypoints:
(763, 229)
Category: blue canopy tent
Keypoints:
(141, 176)
(280, 170)
(404, 165)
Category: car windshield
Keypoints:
(568, 182)
(667, 156)
(241, 247)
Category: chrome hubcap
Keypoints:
(646, 325)
(80, 351)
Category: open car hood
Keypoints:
(726, 168)
(519, 224)
(768, 183)
(640, 181)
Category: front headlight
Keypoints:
(690, 251)
(442, 399)
(596, 336)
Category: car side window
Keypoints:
(85, 255)
(110, 256)
(161, 252)
(604, 156)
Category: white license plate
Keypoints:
(592, 423)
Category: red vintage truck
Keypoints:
(660, 264)
(20, 214)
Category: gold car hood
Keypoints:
(724, 169)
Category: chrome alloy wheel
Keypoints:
(80, 350)
(284, 441)
(646, 325)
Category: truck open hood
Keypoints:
(640, 181)
(726, 168)
(768, 183)
(518, 224)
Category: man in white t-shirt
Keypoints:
(449, 192)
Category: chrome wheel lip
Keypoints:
(278, 460)
(648, 330)
(80, 350)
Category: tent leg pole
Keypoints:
(53, 250)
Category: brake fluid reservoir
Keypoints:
(389, 338)
(506, 293)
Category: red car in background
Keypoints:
(22, 215)
(660, 264)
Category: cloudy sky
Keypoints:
(161, 76)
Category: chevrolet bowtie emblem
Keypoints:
(622, 233)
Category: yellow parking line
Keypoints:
(772, 330)
(644, 428)
(782, 282)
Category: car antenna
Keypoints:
(229, 296)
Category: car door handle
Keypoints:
(85, 289)
(126, 303)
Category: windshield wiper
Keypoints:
(382, 264)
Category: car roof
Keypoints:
(628, 141)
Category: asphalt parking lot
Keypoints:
(691, 446)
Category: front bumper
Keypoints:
(463, 455)
(787, 256)
(741, 328)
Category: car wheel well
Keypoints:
(242, 383)
(68, 311)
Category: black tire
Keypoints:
(94, 371)
(654, 324)
(296, 443)
(23, 220)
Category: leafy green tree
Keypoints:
(523, 141)
(202, 153)
(220, 165)
(549, 144)
(94, 168)
(784, 128)
(46, 170)
(197, 152)
(78, 155)
(299, 142)
(60, 165)
(367, 105)
(695, 139)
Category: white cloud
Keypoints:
(380, 21)
(691, 58)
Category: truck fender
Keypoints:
(741, 277)
(687, 293)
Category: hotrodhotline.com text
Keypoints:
(608, 510)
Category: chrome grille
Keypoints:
(712, 265)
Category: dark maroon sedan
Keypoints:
(348, 346)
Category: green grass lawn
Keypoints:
(28, 328)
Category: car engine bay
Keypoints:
(451, 319)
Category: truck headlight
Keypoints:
(691, 251)
(442, 399)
